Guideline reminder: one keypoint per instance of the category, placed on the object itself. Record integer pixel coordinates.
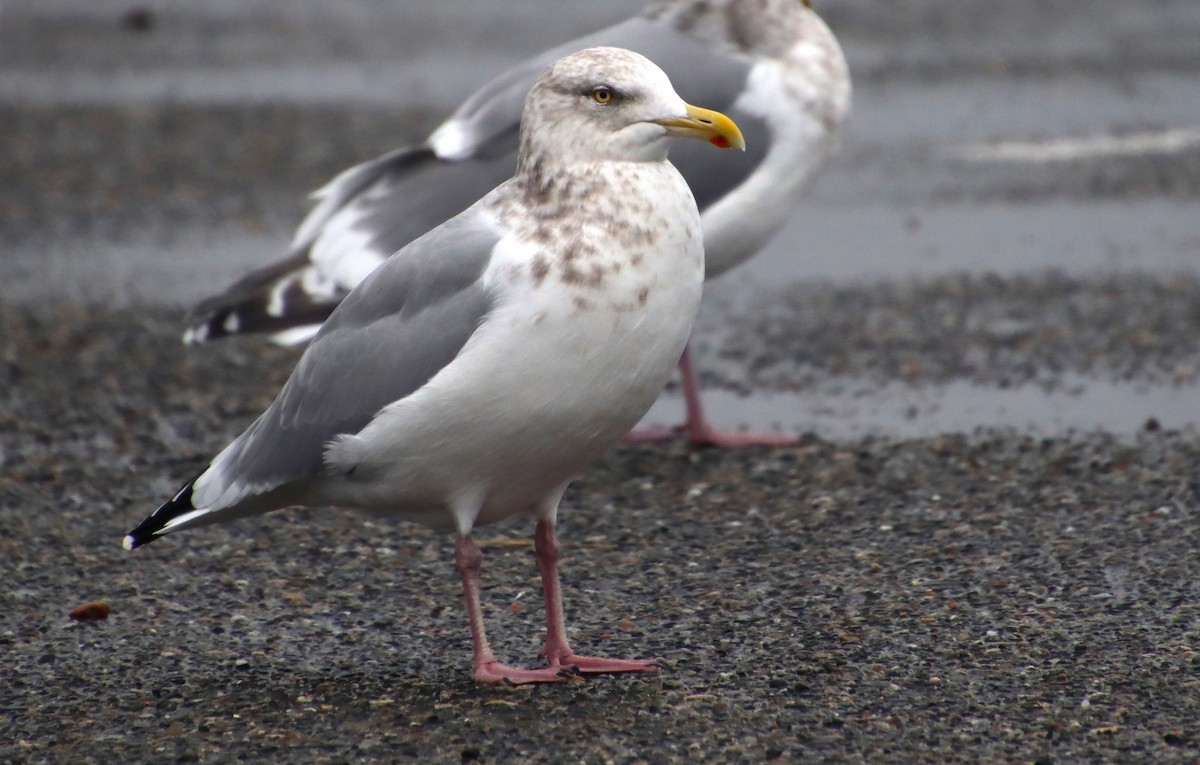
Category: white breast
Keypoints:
(566, 363)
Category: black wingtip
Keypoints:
(270, 300)
(252, 316)
(152, 527)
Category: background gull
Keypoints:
(474, 374)
(773, 65)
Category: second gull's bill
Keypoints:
(772, 65)
(476, 372)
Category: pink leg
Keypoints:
(557, 651)
(468, 559)
(700, 434)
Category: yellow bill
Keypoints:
(706, 125)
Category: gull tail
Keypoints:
(171, 514)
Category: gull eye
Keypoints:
(602, 94)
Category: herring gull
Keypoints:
(772, 65)
(478, 370)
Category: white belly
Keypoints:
(560, 370)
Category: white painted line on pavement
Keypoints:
(1075, 149)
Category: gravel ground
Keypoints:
(992, 598)
(990, 330)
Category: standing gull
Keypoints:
(773, 65)
(478, 370)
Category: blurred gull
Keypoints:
(772, 65)
(478, 370)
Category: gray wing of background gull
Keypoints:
(408, 320)
(373, 209)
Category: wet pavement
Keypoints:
(984, 323)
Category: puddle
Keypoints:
(873, 242)
(896, 410)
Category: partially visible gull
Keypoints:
(773, 65)
(476, 372)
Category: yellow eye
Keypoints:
(602, 95)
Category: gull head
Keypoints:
(612, 104)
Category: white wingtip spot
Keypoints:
(275, 300)
(127, 542)
(232, 323)
(195, 335)
(451, 141)
(295, 335)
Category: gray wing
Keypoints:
(393, 333)
(390, 200)
(411, 197)
(353, 183)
